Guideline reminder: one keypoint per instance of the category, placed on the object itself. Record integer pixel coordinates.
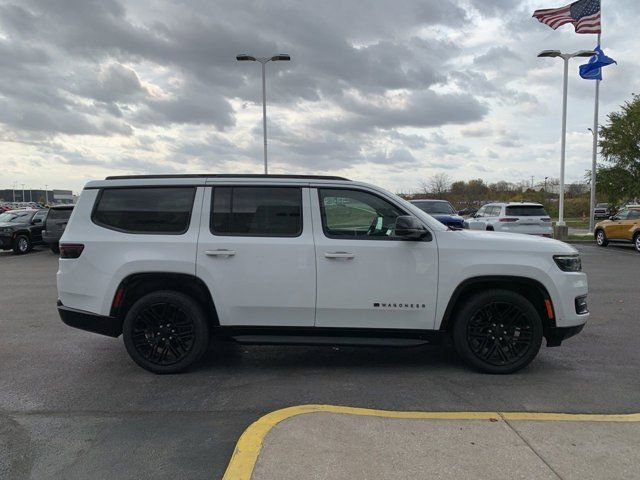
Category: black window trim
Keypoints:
(256, 235)
(365, 238)
(131, 187)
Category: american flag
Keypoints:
(584, 14)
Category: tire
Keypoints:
(601, 238)
(154, 320)
(636, 242)
(22, 245)
(480, 323)
(55, 247)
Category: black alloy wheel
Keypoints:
(165, 332)
(498, 331)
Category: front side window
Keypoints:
(145, 210)
(256, 211)
(358, 215)
(39, 216)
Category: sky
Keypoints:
(388, 92)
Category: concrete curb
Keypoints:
(249, 445)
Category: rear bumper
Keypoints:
(556, 335)
(91, 322)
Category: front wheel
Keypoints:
(165, 332)
(497, 331)
(636, 242)
(601, 239)
(21, 245)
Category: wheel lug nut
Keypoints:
(505, 332)
(500, 338)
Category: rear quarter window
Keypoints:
(145, 210)
(526, 211)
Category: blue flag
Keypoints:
(593, 69)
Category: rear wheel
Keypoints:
(601, 239)
(165, 332)
(636, 242)
(21, 245)
(497, 331)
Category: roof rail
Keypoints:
(218, 175)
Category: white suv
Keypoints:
(170, 261)
(512, 217)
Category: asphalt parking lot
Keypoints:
(74, 406)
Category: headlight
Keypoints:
(568, 263)
(5, 229)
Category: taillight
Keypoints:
(71, 250)
(509, 219)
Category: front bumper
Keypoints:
(91, 322)
(556, 335)
(6, 241)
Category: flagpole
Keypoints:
(594, 153)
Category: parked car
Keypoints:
(20, 230)
(601, 210)
(304, 260)
(513, 217)
(55, 225)
(467, 212)
(624, 226)
(442, 211)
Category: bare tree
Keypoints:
(439, 184)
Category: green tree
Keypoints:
(619, 177)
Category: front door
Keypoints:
(367, 277)
(256, 255)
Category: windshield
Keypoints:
(435, 207)
(601, 205)
(15, 217)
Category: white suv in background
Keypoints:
(513, 217)
(170, 261)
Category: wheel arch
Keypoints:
(136, 285)
(529, 288)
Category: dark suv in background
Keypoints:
(20, 230)
(55, 225)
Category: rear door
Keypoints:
(256, 254)
(478, 222)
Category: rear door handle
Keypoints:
(220, 253)
(339, 255)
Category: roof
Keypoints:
(62, 207)
(218, 175)
(428, 200)
(513, 204)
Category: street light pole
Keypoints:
(46, 195)
(23, 193)
(565, 84)
(263, 61)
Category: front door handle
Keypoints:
(339, 255)
(222, 252)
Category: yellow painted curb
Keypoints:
(245, 455)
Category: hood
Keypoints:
(447, 217)
(8, 224)
(482, 240)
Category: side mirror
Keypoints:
(36, 221)
(410, 228)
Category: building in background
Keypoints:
(38, 195)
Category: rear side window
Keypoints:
(526, 211)
(256, 211)
(145, 210)
(59, 214)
